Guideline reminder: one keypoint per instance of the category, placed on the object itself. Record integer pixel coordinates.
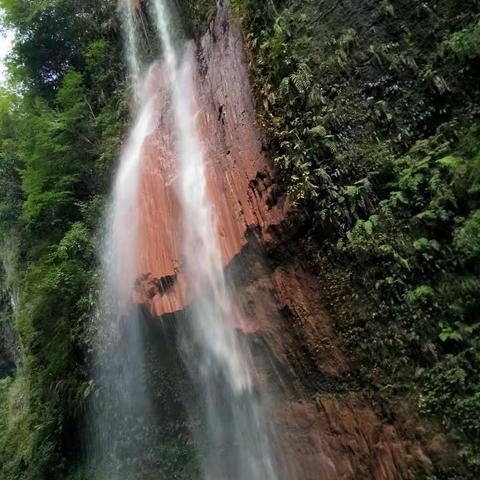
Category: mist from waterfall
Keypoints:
(231, 436)
(122, 406)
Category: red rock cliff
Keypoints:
(238, 173)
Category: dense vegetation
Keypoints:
(62, 118)
(372, 113)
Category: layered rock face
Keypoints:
(293, 340)
(238, 175)
(321, 433)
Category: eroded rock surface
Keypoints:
(324, 432)
(239, 177)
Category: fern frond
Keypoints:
(302, 78)
(284, 87)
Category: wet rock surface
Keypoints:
(239, 176)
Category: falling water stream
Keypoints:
(122, 407)
(233, 441)
(230, 433)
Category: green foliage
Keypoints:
(11, 199)
(51, 318)
(49, 23)
(387, 7)
(420, 262)
(429, 236)
(465, 44)
(196, 15)
(60, 133)
(374, 131)
(56, 145)
(451, 393)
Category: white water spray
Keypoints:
(232, 440)
(123, 411)
(203, 263)
(132, 49)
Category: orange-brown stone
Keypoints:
(238, 174)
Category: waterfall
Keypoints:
(127, 13)
(122, 408)
(227, 419)
(232, 437)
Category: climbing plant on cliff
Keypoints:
(372, 111)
